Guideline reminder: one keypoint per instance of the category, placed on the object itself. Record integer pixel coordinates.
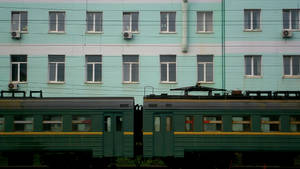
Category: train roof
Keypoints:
(224, 102)
(66, 103)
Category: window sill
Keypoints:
(17, 82)
(252, 30)
(130, 82)
(56, 82)
(253, 77)
(293, 30)
(291, 77)
(93, 82)
(168, 32)
(93, 32)
(53, 32)
(202, 82)
(131, 32)
(207, 32)
(168, 82)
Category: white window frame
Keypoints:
(290, 19)
(130, 22)
(204, 67)
(19, 70)
(56, 71)
(56, 22)
(168, 22)
(204, 22)
(19, 24)
(291, 67)
(94, 22)
(252, 66)
(251, 20)
(130, 70)
(92, 63)
(168, 71)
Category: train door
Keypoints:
(163, 134)
(113, 134)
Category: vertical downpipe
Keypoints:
(223, 46)
(184, 44)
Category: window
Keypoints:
(94, 22)
(52, 123)
(23, 123)
(168, 123)
(291, 65)
(295, 123)
(168, 68)
(81, 123)
(205, 21)
(241, 123)
(189, 123)
(212, 123)
(1, 123)
(167, 22)
(119, 123)
(130, 68)
(157, 124)
(205, 68)
(56, 21)
(270, 123)
(93, 68)
(252, 19)
(291, 19)
(253, 65)
(19, 21)
(107, 124)
(130, 21)
(18, 68)
(56, 68)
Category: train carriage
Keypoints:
(53, 127)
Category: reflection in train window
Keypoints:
(270, 123)
(23, 123)
(119, 120)
(52, 123)
(157, 124)
(189, 123)
(168, 124)
(212, 123)
(107, 124)
(81, 123)
(241, 123)
(295, 123)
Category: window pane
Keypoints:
(270, 123)
(256, 19)
(89, 72)
(189, 123)
(98, 73)
(126, 20)
(295, 19)
(61, 72)
(209, 72)
(52, 123)
(15, 21)
(130, 58)
(157, 124)
(61, 21)
(135, 23)
(52, 21)
(295, 123)
(89, 21)
(52, 72)
(56, 58)
(209, 21)
(172, 72)
(168, 124)
(287, 65)
(163, 21)
(135, 72)
(119, 123)
(296, 65)
(93, 58)
(205, 58)
(107, 123)
(23, 72)
(248, 65)
(98, 21)
(200, 72)
(24, 21)
(23, 123)
(1, 123)
(14, 72)
(241, 123)
(126, 71)
(200, 21)
(247, 19)
(81, 123)
(168, 58)
(257, 65)
(286, 19)
(172, 22)
(212, 123)
(163, 73)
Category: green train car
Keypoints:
(53, 129)
(220, 127)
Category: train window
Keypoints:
(1, 123)
(157, 124)
(168, 123)
(189, 123)
(270, 123)
(107, 124)
(52, 123)
(119, 123)
(81, 123)
(241, 123)
(23, 123)
(295, 123)
(212, 123)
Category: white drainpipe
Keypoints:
(184, 44)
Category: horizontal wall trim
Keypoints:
(51, 133)
(147, 133)
(109, 1)
(238, 133)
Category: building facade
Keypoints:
(94, 48)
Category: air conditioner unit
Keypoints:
(287, 34)
(127, 35)
(16, 35)
(13, 86)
